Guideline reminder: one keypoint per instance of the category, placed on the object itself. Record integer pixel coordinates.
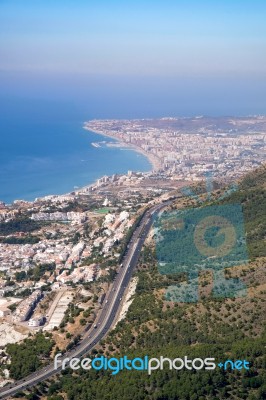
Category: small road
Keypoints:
(54, 304)
(108, 314)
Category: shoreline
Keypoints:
(155, 163)
(153, 160)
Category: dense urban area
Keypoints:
(186, 148)
(60, 254)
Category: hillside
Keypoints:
(252, 195)
(223, 328)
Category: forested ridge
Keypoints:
(213, 327)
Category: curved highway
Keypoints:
(108, 314)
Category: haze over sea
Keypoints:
(62, 63)
(44, 149)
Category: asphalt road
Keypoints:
(107, 316)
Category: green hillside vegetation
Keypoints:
(29, 239)
(223, 328)
(252, 196)
(30, 355)
(20, 224)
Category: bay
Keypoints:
(45, 150)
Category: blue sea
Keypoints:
(45, 150)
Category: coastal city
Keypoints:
(188, 148)
(59, 254)
(132, 200)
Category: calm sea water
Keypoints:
(44, 150)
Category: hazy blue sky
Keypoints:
(177, 45)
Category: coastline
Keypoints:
(154, 161)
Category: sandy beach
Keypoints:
(154, 161)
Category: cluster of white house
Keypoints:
(85, 273)
(26, 307)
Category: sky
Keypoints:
(200, 49)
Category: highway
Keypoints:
(107, 316)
